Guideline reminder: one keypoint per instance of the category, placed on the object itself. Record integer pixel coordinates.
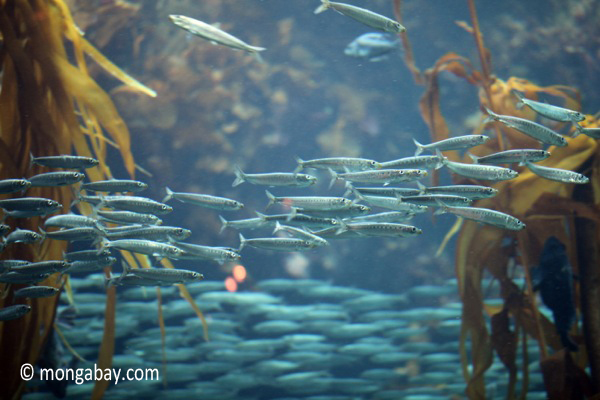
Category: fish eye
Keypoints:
(372, 163)
(334, 222)
(50, 203)
(23, 182)
(163, 207)
(140, 184)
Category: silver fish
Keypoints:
(373, 46)
(381, 176)
(351, 211)
(249, 223)
(390, 216)
(455, 143)
(36, 292)
(7, 265)
(299, 219)
(23, 236)
(594, 133)
(387, 191)
(115, 185)
(363, 16)
(14, 185)
(133, 280)
(273, 179)
(71, 221)
(13, 312)
(196, 251)
(529, 128)
(170, 275)
(432, 200)
(204, 200)
(30, 204)
(128, 217)
(338, 164)
(42, 267)
(90, 265)
(393, 204)
(278, 244)
(485, 216)
(212, 33)
(557, 174)
(156, 233)
(512, 156)
(17, 278)
(4, 229)
(300, 233)
(86, 255)
(144, 247)
(473, 192)
(61, 178)
(416, 162)
(311, 202)
(549, 111)
(67, 162)
(130, 203)
(483, 172)
(380, 229)
(76, 234)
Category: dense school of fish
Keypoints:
(311, 221)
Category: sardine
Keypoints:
(387, 191)
(170, 275)
(23, 236)
(76, 234)
(455, 143)
(42, 267)
(156, 233)
(14, 185)
(25, 279)
(115, 185)
(142, 246)
(299, 219)
(300, 233)
(311, 202)
(13, 312)
(512, 156)
(29, 204)
(204, 200)
(338, 164)
(473, 192)
(36, 292)
(363, 16)
(432, 200)
(380, 229)
(557, 174)
(196, 251)
(482, 172)
(65, 161)
(86, 255)
(416, 162)
(90, 265)
(72, 221)
(351, 211)
(278, 244)
(390, 216)
(130, 203)
(485, 216)
(395, 204)
(380, 176)
(529, 128)
(61, 178)
(549, 111)
(249, 223)
(212, 33)
(128, 217)
(273, 179)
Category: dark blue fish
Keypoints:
(554, 278)
(372, 46)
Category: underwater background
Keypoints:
(362, 318)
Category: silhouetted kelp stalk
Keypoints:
(549, 208)
(49, 105)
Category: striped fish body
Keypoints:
(23, 236)
(482, 172)
(387, 191)
(196, 251)
(455, 143)
(156, 233)
(25, 279)
(557, 174)
(278, 244)
(62, 178)
(512, 156)
(135, 204)
(550, 111)
(42, 267)
(90, 265)
(390, 216)
(363, 16)
(530, 128)
(205, 200)
(311, 202)
(394, 204)
(67, 162)
(13, 185)
(128, 217)
(384, 176)
(485, 216)
(145, 247)
(338, 164)
(416, 162)
(13, 312)
(36, 292)
(86, 255)
(382, 229)
(30, 204)
(274, 179)
(76, 234)
(167, 275)
(115, 185)
(71, 221)
(473, 192)
(432, 200)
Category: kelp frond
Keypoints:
(50, 105)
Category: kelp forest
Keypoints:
(52, 102)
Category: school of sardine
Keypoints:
(259, 340)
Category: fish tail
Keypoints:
(224, 224)
(300, 164)
(240, 177)
(443, 160)
(443, 208)
(262, 216)
(422, 188)
(272, 199)
(343, 227)
(169, 195)
(334, 177)
(325, 5)
(103, 244)
(519, 105)
(420, 147)
(473, 157)
(31, 159)
(278, 227)
(349, 189)
(242, 242)
(492, 116)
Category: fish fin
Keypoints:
(262, 216)
(422, 188)
(278, 227)
(519, 105)
(256, 54)
(31, 160)
(169, 195)
(223, 224)
(349, 189)
(443, 208)
(293, 213)
(242, 242)
(334, 177)
(239, 176)
(443, 159)
(300, 166)
(43, 232)
(343, 227)
(473, 157)
(420, 147)
(272, 199)
(325, 5)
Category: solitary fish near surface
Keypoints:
(363, 16)
(212, 33)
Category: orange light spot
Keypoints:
(230, 284)
(239, 273)
(287, 202)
